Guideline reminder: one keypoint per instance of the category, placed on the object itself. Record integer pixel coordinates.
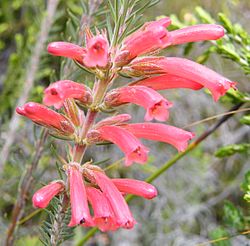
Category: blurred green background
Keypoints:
(200, 198)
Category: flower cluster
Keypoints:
(79, 106)
(110, 211)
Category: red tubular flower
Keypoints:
(113, 120)
(168, 81)
(103, 215)
(97, 51)
(123, 216)
(159, 132)
(61, 90)
(186, 69)
(152, 36)
(66, 49)
(136, 187)
(127, 142)
(217, 84)
(156, 105)
(43, 196)
(46, 117)
(78, 198)
(196, 33)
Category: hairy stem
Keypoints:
(79, 149)
(172, 161)
(58, 222)
(99, 92)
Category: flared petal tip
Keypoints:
(129, 224)
(222, 88)
(191, 135)
(139, 155)
(182, 145)
(83, 222)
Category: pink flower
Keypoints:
(103, 215)
(127, 142)
(152, 36)
(46, 117)
(168, 81)
(113, 120)
(61, 90)
(123, 216)
(159, 132)
(66, 49)
(136, 187)
(196, 33)
(186, 69)
(156, 105)
(217, 84)
(97, 51)
(78, 198)
(43, 196)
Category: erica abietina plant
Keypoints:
(87, 185)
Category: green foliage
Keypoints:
(245, 186)
(29, 241)
(24, 33)
(233, 216)
(55, 230)
(232, 149)
(125, 17)
(218, 234)
(245, 119)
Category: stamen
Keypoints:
(82, 221)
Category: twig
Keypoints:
(224, 238)
(58, 222)
(216, 116)
(24, 190)
(171, 162)
(29, 78)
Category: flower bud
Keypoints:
(43, 196)
(73, 112)
(44, 116)
(113, 120)
(150, 37)
(135, 187)
(66, 49)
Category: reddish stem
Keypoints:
(99, 92)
